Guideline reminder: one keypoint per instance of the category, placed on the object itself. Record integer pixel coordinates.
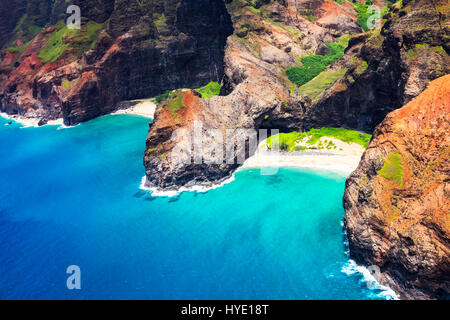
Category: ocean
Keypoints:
(71, 197)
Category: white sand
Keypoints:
(344, 159)
(30, 122)
(144, 108)
(345, 164)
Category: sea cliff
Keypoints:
(398, 200)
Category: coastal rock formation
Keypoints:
(125, 50)
(398, 200)
(257, 95)
(130, 49)
(387, 67)
(381, 71)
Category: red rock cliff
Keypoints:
(398, 200)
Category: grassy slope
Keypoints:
(313, 65)
(317, 86)
(288, 141)
(63, 39)
(208, 91)
(393, 168)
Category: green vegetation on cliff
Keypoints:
(55, 44)
(63, 38)
(289, 141)
(210, 90)
(317, 86)
(175, 102)
(314, 64)
(393, 168)
(161, 97)
(364, 12)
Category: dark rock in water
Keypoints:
(174, 199)
(139, 194)
(8, 123)
(42, 122)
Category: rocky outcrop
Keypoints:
(257, 96)
(141, 48)
(339, 19)
(398, 200)
(386, 68)
(180, 46)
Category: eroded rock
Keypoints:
(397, 202)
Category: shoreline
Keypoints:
(368, 279)
(351, 268)
(343, 163)
(31, 122)
(339, 163)
(143, 107)
(156, 192)
(343, 160)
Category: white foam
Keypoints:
(156, 192)
(351, 268)
(30, 122)
(63, 126)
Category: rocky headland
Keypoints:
(398, 200)
(126, 49)
(380, 71)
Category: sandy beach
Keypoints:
(143, 107)
(344, 164)
(344, 159)
(31, 122)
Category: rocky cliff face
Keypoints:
(388, 67)
(126, 49)
(380, 72)
(266, 40)
(398, 200)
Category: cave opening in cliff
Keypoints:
(209, 22)
(191, 56)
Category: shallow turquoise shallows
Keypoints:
(71, 197)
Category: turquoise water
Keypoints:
(71, 197)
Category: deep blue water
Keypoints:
(71, 197)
